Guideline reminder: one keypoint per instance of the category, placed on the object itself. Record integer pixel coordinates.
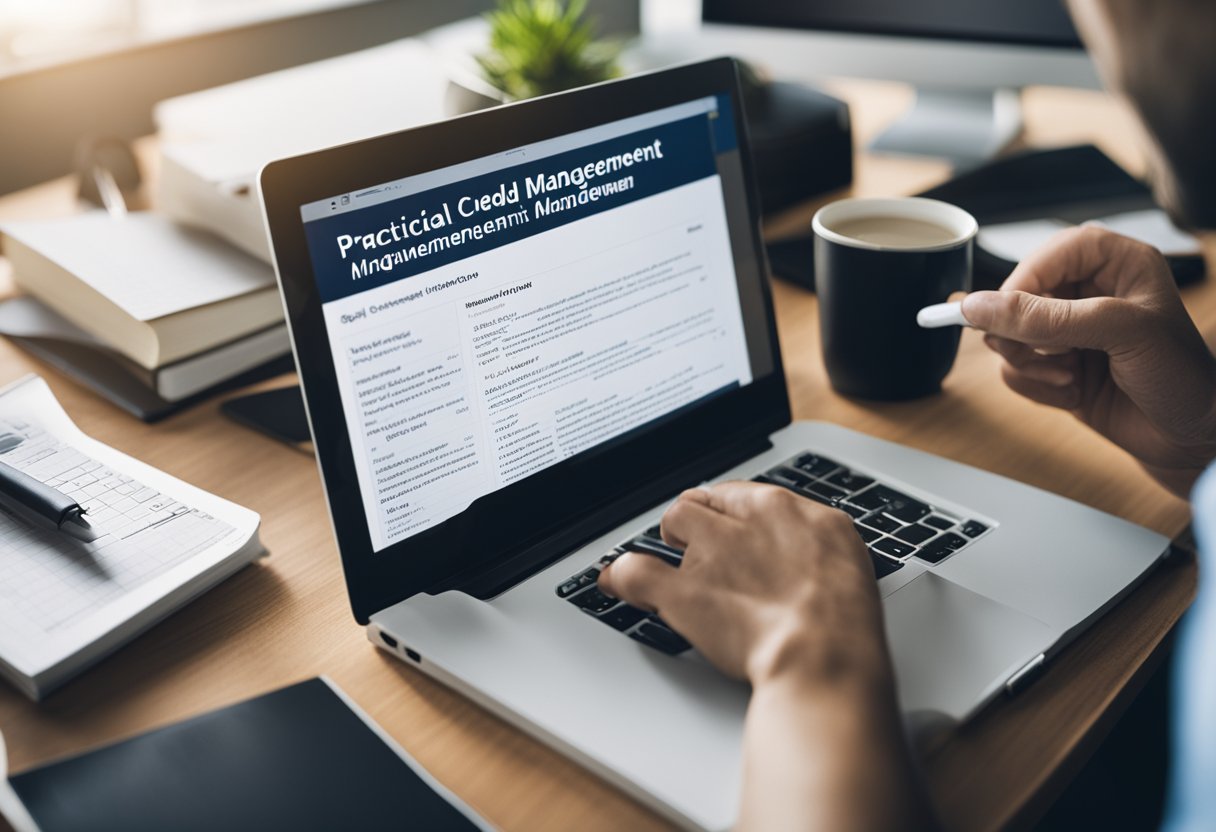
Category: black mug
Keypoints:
(877, 263)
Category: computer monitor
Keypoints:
(967, 58)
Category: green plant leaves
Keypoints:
(543, 46)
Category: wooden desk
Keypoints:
(287, 618)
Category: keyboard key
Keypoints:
(939, 522)
(881, 522)
(915, 534)
(868, 535)
(816, 466)
(776, 477)
(871, 498)
(825, 490)
(583, 579)
(826, 501)
(611, 556)
(850, 481)
(883, 566)
(894, 548)
(655, 532)
(852, 511)
(623, 617)
(793, 475)
(660, 638)
(891, 502)
(943, 547)
(593, 601)
(907, 509)
(974, 528)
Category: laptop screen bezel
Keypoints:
(432, 559)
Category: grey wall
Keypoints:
(44, 113)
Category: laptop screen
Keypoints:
(491, 319)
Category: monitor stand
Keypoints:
(967, 127)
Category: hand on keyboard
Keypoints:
(769, 581)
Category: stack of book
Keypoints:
(146, 312)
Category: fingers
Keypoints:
(1057, 370)
(1081, 289)
(640, 580)
(739, 499)
(1099, 323)
(1064, 397)
(691, 518)
(1114, 263)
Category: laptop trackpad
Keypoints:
(951, 646)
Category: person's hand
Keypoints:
(779, 590)
(770, 582)
(1092, 323)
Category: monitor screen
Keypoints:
(1033, 22)
(494, 318)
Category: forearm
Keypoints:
(829, 755)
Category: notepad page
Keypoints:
(53, 581)
(58, 595)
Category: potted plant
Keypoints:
(537, 47)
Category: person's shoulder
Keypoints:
(1203, 512)
(1204, 492)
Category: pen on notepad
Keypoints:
(43, 506)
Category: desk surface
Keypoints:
(286, 618)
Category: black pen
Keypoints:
(43, 506)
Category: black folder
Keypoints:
(299, 758)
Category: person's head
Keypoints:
(1161, 55)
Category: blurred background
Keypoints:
(97, 67)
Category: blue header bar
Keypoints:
(370, 247)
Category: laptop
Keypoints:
(520, 333)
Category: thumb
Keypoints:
(640, 580)
(1087, 323)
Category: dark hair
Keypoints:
(1167, 67)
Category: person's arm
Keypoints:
(828, 754)
(780, 591)
(1093, 323)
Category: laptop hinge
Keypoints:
(483, 582)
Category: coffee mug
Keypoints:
(877, 263)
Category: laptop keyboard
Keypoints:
(894, 526)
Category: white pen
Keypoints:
(942, 314)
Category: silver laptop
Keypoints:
(521, 333)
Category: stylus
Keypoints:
(659, 550)
(942, 314)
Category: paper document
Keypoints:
(1154, 227)
(146, 264)
(1014, 241)
(58, 595)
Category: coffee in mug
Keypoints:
(877, 263)
(895, 231)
